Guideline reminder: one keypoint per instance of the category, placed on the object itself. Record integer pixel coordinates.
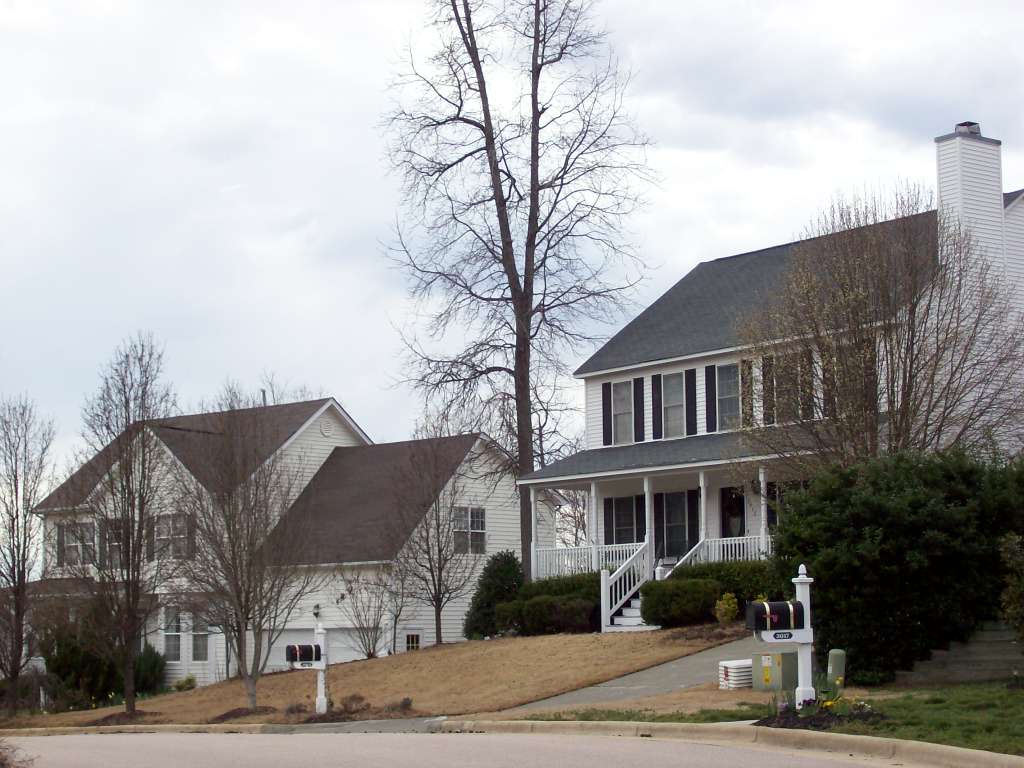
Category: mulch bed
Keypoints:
(823, 720)
(234, 714)
(124, 718)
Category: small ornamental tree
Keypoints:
(901, 549)
(499, 582)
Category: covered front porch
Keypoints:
(643, 524)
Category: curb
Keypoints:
(426, 725)
(939, 755)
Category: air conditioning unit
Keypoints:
(735, 674)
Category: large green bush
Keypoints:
(904, 553)
(87, 676)
(746, 579)
(584, 584)
(149, 670)
(679, 602)
(1013, 593)
(500, 581)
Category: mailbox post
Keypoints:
(320, 639)
(789, 622)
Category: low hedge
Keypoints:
(679, 602)
(746, 579)
(584, 584)
(549, 606)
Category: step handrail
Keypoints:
(628, 577)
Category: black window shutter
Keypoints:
(60, 545)
(656, 407)
(606, 412)
(659, 524)
(692, 517)
(640, 508)
(150, 540)
(690, 378)
(747, 393)
(609, 521)
(638, 410)
(711, 398)
(807, 386)
(768, 389)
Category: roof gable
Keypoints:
(349, 504)
(188, 439)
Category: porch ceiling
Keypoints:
(656, 455)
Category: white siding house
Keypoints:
(670, 479)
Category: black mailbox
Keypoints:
(295, 654)
(775, 615)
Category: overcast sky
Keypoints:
(215, 173)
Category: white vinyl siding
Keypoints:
(308, 450)
(1015, 250)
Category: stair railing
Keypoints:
(617, 587)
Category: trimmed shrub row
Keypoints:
(679, 602)
(549, 606)
(747, 580)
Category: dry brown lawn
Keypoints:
(461, 678)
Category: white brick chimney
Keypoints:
(970, 186)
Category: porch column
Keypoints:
(702, 482)
(649, 523)
(533, 533)
(762, 481)
(595, 560)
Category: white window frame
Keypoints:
(719, 398)
(632, 518)
(168, 612)
(80, 545)
(417, 643)
(681, 405)
(629, 401)
(472, 522)
(166, 543)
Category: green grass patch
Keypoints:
(986, 716)
(745, 710)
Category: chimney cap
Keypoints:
(968, 129)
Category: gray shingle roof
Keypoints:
(720, 446)
(699, 313)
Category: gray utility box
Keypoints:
(774, 671)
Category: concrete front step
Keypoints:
(632, 628)
(631, 612)
(627, 621)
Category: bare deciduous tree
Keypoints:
(26, 472)
(244, 573)
(124, 482)
(431, 525)
(890, 330)
(519, 167)
(364, 600)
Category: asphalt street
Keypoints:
(365, 750)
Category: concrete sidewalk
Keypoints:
(697, 669)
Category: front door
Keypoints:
(733, 512)
(676, 518)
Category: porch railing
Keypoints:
(729, 549)
(619, 586)
(563, 561)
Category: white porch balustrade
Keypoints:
(564, 561)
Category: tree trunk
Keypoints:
(437, 625)
(16, 650)
(524, 438)
(128, 671)
(250, 690)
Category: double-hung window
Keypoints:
(79, 544)
(624, 520)
(200, 640)
(622, 412)
(470, 524)
(412, 642)
(728, 390)
(172, 536)
(172, 634)
(673, 401)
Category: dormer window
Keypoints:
(622, 412)
(728, 397)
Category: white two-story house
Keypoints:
(670, 478)
(344, 497)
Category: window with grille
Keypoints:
(622, 412)
(79, 544)
(172, 634)
(470, 525)
(412, 642)
(172, 536)
(200, 640)
(673, 401)
(728, 397)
